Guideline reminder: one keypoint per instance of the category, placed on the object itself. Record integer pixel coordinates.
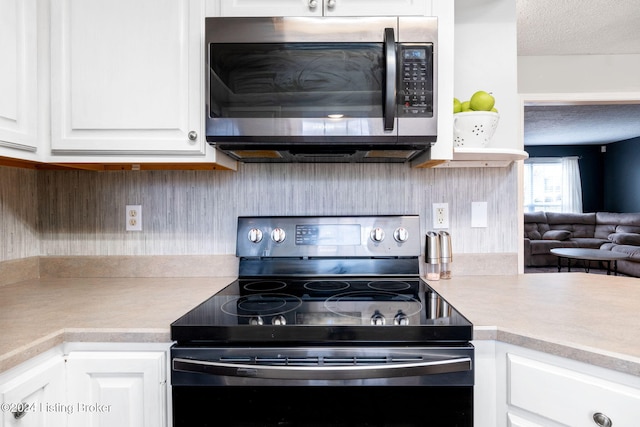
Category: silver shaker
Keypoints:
(446, 256)
(432, 255)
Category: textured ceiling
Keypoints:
(579, 27)
(580, 124)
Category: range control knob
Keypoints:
(378, 319)
(377, 234)
(400, 319)
(401, 234)
(278, 235)
(279, 320)
(257, 320)
(255, 235)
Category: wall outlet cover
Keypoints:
(440, 215)
(133, 218)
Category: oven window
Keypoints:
(296, 80)
(323, 406)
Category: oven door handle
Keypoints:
(323, 372)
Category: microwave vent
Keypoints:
(391, 154)
(256, 154)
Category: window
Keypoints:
(552, 185)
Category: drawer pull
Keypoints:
(19, 414)
(602, 420)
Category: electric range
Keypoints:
(322, 304)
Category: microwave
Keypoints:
(321, 89)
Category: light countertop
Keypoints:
(591, 318)
(586, 317)
(36, 315)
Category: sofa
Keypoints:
(607, 231)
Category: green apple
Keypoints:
(457, 105)
(494, 110)
(482, 101)
(465, 106)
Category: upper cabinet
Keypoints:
(317, 7)
(18, 78)
(125, 77)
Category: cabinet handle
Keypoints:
(331, 4)
(313, 4)
(602, 420)
(193, 135)
(19, 414)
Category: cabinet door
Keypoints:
(265, 8)
(18, 75)
(35, 398)
(318, 7)
(125, 389)
(126, 77)
(377, 7)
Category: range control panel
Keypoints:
(415, 88)
(360, 236)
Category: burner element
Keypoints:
(257, 305)
(377, 304)
(326, 285)
(389, 285)
(265, 286)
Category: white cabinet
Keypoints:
(33, 396)
(125, 389)
(317, 7)
(18, 77)
(377, 7)
(126, 77)
(550, 391)
(101, 387)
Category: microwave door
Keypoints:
(303, 85)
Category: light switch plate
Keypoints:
(478, 214)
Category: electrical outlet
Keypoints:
(134, 217)
(440, 215)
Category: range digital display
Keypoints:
(328, 234)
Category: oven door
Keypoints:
(323, 386)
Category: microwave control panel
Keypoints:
(415, 89)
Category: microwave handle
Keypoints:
(390, 83)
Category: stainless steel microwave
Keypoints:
(321, 89)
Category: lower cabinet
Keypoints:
(33, 395)
(124, 389)
(104, 387)
(544, 390)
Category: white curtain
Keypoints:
(571, 186)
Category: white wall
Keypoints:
(578, 73)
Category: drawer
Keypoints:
(569, 397)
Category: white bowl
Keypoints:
(474, 128)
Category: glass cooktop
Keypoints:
(322, 311)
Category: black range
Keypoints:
(322, 305)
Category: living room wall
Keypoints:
(622, 176)
(591, 170)
(610, 180)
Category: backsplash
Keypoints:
(194, 212)
(18, 214)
